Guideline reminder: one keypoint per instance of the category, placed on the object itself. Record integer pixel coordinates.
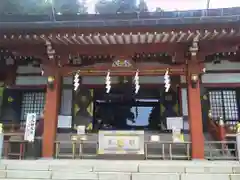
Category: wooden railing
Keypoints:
(163, 150)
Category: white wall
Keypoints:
(114, 79)
(221, 78)
(28, 70)
(151, 79)
(224, 65)
(31, 80)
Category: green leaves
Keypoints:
(31, 7)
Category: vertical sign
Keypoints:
(30, 127)
(1, 140)
(1, 97)
(238, 145)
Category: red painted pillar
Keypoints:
(51, 118)
(11, 76)
(195, 114)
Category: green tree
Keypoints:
(83, 9)
(10, 7)
(142, 7)
(37, 6)
(25, 6)
(115, 6)
(71, 6)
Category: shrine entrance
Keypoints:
(144, 111)
(121, 109)
(123, 99)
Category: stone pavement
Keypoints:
(118, 170)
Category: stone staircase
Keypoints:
(118, 170)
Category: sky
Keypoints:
(172, 5)
(142, 118)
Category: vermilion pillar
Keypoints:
(51, 118)
(195, 121)
(11, 77)
(195, 114)
(194, 69)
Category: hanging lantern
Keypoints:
(136, 81)
(167, 81)
(108, 82)
(50, 82)
(194, 80)
(76, 81)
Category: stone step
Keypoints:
(60, 168)
(33, 175)
(118, 170)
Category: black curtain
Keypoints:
(11, 106)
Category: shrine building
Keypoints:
(62, 66)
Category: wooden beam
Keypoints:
(29, 50)
(143, 70)
(218, 46)
(37, 51)
(117, 50)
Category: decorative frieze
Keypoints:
(124, 38)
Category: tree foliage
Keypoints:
(66, 7)
(42, 6)
(115, 6)
(25, 6)
(70, 6)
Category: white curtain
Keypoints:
(66, 102)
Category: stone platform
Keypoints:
(118, 170)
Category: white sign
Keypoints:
(121, 142)
(81, 130)
(238, 144)
(155, 138)
(30, 127)
(177, 136)
(1, 128)
(64, 121)
(174, 122)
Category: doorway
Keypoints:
(145, 111)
